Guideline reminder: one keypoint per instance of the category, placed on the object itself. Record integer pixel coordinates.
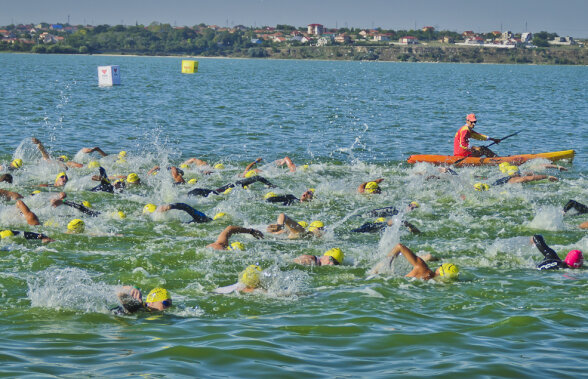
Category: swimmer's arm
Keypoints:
(288, 162)
(41, 149)
(250, 165)
(88, 150)
(154, 169)
(198, 162)
(178, 178)
(31, 218)
(133, 291)
(37, 236)
(197, 216)
(413, 229)
(305, 259)
(400, 249)
(9, 195)
(222, 241)
(58, 200)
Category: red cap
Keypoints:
(471, 117)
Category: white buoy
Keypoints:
(108, 76)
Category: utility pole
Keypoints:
(68, 19)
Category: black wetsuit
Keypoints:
(6, 178)
(30, 235)
(552, 260)
(579, 207)
(104, 185)
(245, 182)
(383, 212)
(502, 181)
(197, 216)
(81, 208)
(284, 199)
(370, 227)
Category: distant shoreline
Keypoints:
(414, 54)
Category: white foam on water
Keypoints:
(547, 218)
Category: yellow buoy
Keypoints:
(189, 67)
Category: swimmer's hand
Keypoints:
(36, 141)
(274, 228)
(256, 233)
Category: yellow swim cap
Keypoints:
(335, 253)
(414, 204)
(269, 195)
(305, 167)
(63, 158)
(157, 294)
(193, 181)
(228, 190)
(250, 276)
(133, 178)
(86, 204)
(481, 187)
(371, 187)
(76, 226)
(6, 234)
(503, 166)
(219, 166)
(236, 246)
(93, 164)
(250, 174)
(60, 175)
(449, 271)
(219, 215)
(17, 163)
(317, 224)
(304, 224)
(122, 154)
(312, 190)
(35, 192)
(184, 166)
(512, 170)
(149, 208)
(121, 214)
(380, 219)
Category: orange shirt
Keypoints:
(461, 142)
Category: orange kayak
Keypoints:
(480, 161)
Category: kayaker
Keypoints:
(461, 142)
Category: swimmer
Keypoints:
(295, 229)
(243, 183)
(514, 176)
(10, 195)
(63, 161)
(60, 181)
(222, 241)
(381, 224)
(370, 187)
(131, 300)
(197, 216)
(289, 199)
(58, 201)
(105, 185)
(26, 235)
(420, 269)
(249, 170)
(288, 162)
(6, 178)
(249, 281)
(331, 257)
(391, 211)
(574, 258)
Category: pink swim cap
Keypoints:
(574, 259)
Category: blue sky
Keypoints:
(565, 17)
